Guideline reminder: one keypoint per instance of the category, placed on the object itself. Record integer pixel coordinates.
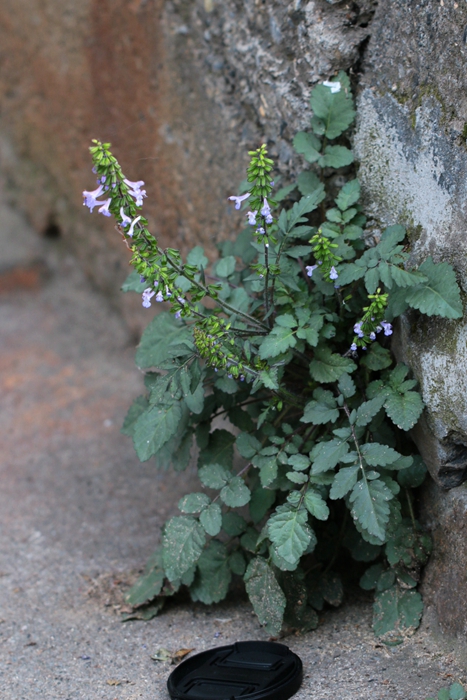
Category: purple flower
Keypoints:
(238, 200)
(138, 196)
(309, 269)
(90, 198)
(266, 211)
(357, 329)
(260, 230)
(333, 274)
(136, 186)
(147, 296)
(125, 219)
(178, 314)
(372, 336)
(159, 296)
(387, 327)
(104, 209)
(130, 230)
(353, 347)
(142, 279)
(252, 218)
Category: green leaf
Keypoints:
(456, 692)
(370, 506)
(316, 505)
(326, 455)
(237, 563)
(404, 409)
(406, 278)
(146, 587)
(348, 195)
(211, 519)
(233, 524)
(336, 157)
(368, 410)
(395, 611)
(413, 476)
(214, 476)
(161, 341)
(213, 576)
(345, 480)
(154, 428)
(226, 384)
(304, 206)
(236, 493)
(440, 295)
(265, 594)
(322, 409)
(247, 445)
(267, 465)
(328, 367)
(133, 284)
(195, 401)
(278, 341)
(346, 386)
(226, 266)
(197, 257)
(308, 145)
(335, 110)
(138, 407)
(261, 501)
(377, 455)
(194, 502)
(377, 357)
(289, 531)
(219, 449)
(182, 544)
(370, 578)
(308, 182)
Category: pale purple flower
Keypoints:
(147, 296)
(372, 336)
(142, 279)
(333, 273)
(103, 179)
(266, 211)
(334, 86)
(238, 200)
(353, 347)
(260, 230)
(159, 296)
(357, 329)
(252, 218)
(104, 209)
(125, 219)
(90, 198)
(138, 195)
(133, 223)
(387, 327)
(309, 269)
(136, 186)
(178, 314)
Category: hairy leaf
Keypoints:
(161, 341)
(322, 409)
(308, 145)
(335, 110)
(211, 519)
(146, 587)
(154, 428)
(348, 195)
(236, 493)
(345, 480)
(316, 505)
(265, 594)
(325, 455)
(370, 506)
(278, 341)
(336, 157)
(440, 295)
(377, 455)
(219, 449)
(214, 476)
(182, 544)
(328, 367)
(289, 531)
(213, 576)
(138, 407)
(404, 409)
(395, 611)
(194, 502)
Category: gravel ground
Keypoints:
(79, 515)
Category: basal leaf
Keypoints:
(440, 295)
(308, 182)
(265, 594)
(289, 531)
(154, 428)
(211, 519)
(182, 544)
(213, 576)
(344, 481)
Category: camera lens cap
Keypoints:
(243, 671)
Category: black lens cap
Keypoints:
(244, 670)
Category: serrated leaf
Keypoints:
(226, 266)
(182, 544)
(328, 367)
(316, 505)
(197, 257)
(247, 445)
(335, 110)
(456, 692)
(308, 182)
(211, 519)
(138, 407)
(304, 206)
(219, 449)
(299, 462)
(267, 466)
(289, 531)
(237, 563)
(308, 145)
(370, 506)
(194, 502)
(326, 455)
(261, 501)
(440, 295)
(133, 283)
(346, 386)
(404, 409)
(370, 578)
(368, 409)
(146, 588)
(406, 278)
(336, 157)
(377, 357)
(344, 481)
(320, 410)
(154, 428)
(213, 575)
(265, 594)
(396, 610)
(348, 195)
(278, 341)
(413, 476)
(214, 476)
(160, 339)
(377, 455)
(195, 401)
(236, 493)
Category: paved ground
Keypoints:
(79, 516)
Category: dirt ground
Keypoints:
(79, 515)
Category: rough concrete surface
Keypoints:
(79, 516)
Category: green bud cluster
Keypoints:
(374, 314)
(323, 253)
(258, 173)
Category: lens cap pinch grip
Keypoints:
(243, 671)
